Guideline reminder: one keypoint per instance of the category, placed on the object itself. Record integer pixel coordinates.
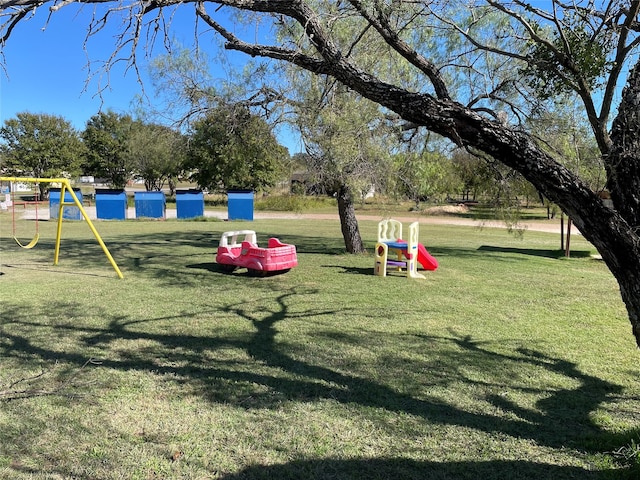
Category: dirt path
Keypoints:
(552, 226)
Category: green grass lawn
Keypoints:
(508, 362)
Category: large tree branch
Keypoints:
(390, 35)
(441, 116)
(8, 26)
(452, 120)
(295, 57)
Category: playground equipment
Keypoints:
(277, 257)
(407, 253)
(12, 202)
(65, 186)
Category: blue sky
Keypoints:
(46, 68)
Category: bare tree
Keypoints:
(475, 58)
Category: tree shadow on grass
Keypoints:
(406, 469)
(538, 252)
(208, 266)
(168, 255)
(352, 270)
(163, 255)
(274, 374)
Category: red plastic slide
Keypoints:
(425, 259)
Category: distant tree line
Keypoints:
(229, 148)
(232, 148)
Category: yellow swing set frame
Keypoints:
(65, 186)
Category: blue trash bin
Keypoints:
(111, 204)
(68, 212)
(240, 204)
(150, 204)
(189, 203)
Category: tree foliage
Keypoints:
(41, 146)
(232, 149)
(342, 133)
(183, 88)
(565, 133)
(345, 135)
(157, 154)
(584, 46)
(420, 176)
(107, 138)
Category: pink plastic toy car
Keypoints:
(277, 257)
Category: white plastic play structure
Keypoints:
(406, 254)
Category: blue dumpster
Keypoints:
(189, 203)
(111, 204)
(68, 212)
(240, 204)
(150, 204)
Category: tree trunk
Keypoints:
(623, 178)
(623, 161)
(348, 221)
(629, 282)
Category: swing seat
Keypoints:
(31, 244)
